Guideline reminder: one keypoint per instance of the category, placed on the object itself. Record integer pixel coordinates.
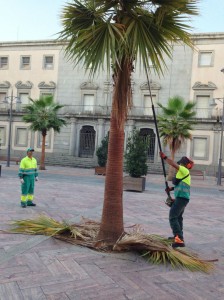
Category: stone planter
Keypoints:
(100, 170)
(133, 184)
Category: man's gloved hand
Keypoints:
(36, 178)
(162, 155)
(22, 180)
(169, 189)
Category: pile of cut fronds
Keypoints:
(154, 248)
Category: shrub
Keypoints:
(136, 155)
(101, 152)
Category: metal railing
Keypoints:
(105, 110)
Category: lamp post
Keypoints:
(10, 98)
(219, 177)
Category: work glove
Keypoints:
(169, 189)
(22, 180)
(36, 178)
(162, 155)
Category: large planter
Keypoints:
(133, 184)
(100, 170)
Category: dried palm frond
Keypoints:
(158, 251)
(154, 248)
(42, 225)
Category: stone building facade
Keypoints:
(34, 68)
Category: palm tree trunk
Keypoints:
(112, 225)
(112, 216)
(42, 159)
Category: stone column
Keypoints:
(73, 137)
(100, 131)
(128, 130)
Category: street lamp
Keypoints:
(219, 177)
(10, 100)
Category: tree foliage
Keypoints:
(136, 155)
(102, 150)
(175, 122)
(42, 114)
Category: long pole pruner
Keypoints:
(157, 133)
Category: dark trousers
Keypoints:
(176, 216)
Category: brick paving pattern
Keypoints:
(43, 268)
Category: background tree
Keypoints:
(102, 150)
(118, 33)
(174, 124)
(136, 154)
(43, 116)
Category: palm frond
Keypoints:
(156, 249)
(42, 225)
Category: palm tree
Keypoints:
(115, 34)
(175, 123)
(42, 114)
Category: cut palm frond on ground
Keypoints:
(154, 248)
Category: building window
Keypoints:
(48, 62)
(21, 137)
(88, 102)
(148, 104)
(202, 106)
(24, 98)
(2, 97)
(2, 136)
(25, 62)
(205, 58)
(4, 62)
(200, 146)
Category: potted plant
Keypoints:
(136, 162)
(101, 154)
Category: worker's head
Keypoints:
(186, 162)
(29, 152)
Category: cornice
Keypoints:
(153, 86)
(202, 86)
(50, 85)
(89, 86)
(26, 85)
(5, 85)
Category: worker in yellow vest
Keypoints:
(28, 175)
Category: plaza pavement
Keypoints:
(43, 268)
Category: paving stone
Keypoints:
(39, 268)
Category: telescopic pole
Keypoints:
(157, 133)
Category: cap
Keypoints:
(187, 162)
(183, 161)
(30, 149)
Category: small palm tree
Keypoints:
(175, 123)
(42, 114)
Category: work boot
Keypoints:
(23, 204)
(30, 203)
(178, 242)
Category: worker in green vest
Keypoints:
(28, 175)
(182, 182)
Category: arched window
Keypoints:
(149, 133)
(87, 141)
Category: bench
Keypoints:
(15, 159)
(198, 173)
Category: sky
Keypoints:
(39, 20)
